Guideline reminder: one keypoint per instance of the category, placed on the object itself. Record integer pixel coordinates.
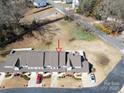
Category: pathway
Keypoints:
(32, 81)
(2, 76)
(54, 79)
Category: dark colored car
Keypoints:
(39, 79)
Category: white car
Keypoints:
(92, 78)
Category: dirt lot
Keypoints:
(68, 82)
(46, 82)
(17, 82)
(41, 14)
(103, 56)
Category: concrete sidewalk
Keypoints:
(54, 79)
(2, 76)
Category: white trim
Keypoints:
(8, 66)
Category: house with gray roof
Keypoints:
(45, 61)
(39, 3)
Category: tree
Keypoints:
(11, 11)
(111, 8)
(87, 7)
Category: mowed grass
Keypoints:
(82, 35)
(76, 32)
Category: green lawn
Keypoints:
(82, 35)
(76, 32)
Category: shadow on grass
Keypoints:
(27, 29)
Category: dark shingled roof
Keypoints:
(47, 61)
(75, 59)
(51, 59)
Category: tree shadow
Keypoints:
(27, 29)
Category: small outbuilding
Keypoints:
(39, 3)
(68, 1)
(75, 4)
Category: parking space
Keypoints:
(2, 76)
(88, 80)
(33, 80)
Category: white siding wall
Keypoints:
(75, 4)
(39, 3)
(68, 1)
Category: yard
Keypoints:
(46, 82)
(14, 82)
(69, 82)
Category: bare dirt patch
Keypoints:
(69, 82)
(102, 59)
(48, 14)
(17, 82)
(46, 82)
(41, 39)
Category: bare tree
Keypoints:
(111, 8)
(11, 11)
(87, 7)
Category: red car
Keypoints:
(39, 79)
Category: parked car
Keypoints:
(39, 78)
(92, 78)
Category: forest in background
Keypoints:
(110, 12)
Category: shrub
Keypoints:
(114, 26)
(66, 18)
(77, 78)
(47, 76)
(48, 43)
(71, 39)
(93, 70)
(25, 77)
(103, 28)
(88, 7)
(78, 10)
(8, 75)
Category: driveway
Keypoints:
(2, 76)
(32, 81)
(86, 82)
(54, 79)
